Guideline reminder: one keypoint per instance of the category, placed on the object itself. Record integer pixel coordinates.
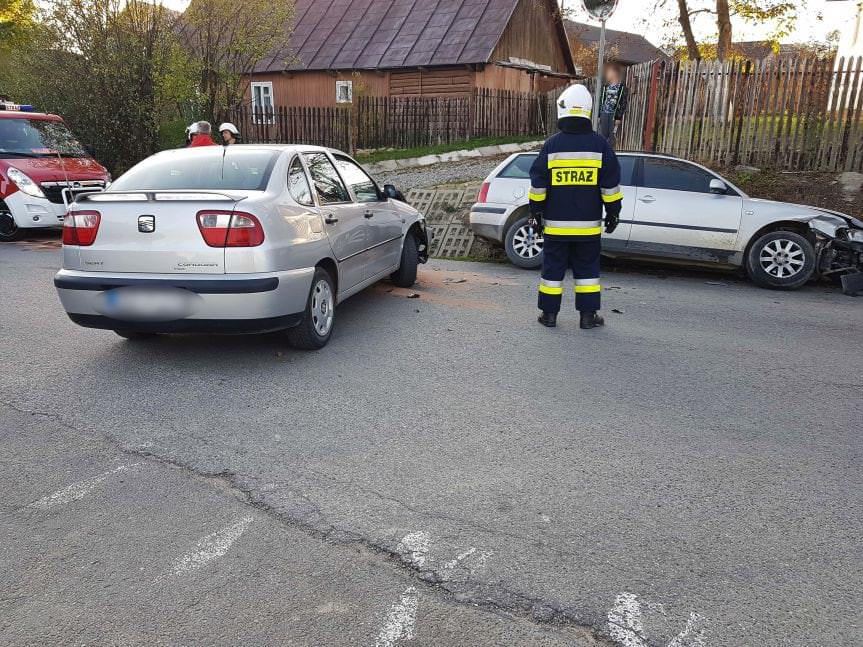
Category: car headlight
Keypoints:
(25, 183)
(856, 235)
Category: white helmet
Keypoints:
(192, 129)
(231, 128)
(575, 102)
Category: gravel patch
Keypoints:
(437, 174)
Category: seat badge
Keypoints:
(146, 224)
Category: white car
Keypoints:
(235, 239)
(677, 211)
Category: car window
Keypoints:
(675, 176)
(627, 168)
(206, 168)
(519, 168)
(363, 186)
(298, 183)
(328, 184)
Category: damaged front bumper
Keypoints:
(839, 250)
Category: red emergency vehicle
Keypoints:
(42, 168)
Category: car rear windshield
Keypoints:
(519, 168)
(209, 169)
(37, 138)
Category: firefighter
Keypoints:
(230, 134)
(574, 176)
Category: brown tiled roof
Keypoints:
(626, 47)
(374, 34)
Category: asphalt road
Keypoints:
(445, 472)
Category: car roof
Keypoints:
(37, 116)
(216, 149)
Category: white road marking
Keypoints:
(401, 620)
(694, 634)
(626, 624)
(477, 561)
(211, 547)
(75, 491)
(624, 621)
(453, 563)
(417, 544)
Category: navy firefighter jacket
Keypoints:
(575, 173)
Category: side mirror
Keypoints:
(718, 187)
(393, 193)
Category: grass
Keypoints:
(381, 155)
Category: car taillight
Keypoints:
(483, 193)
(81, 227)
(230, 229)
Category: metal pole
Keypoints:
(597, 91)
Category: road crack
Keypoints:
(491, 597)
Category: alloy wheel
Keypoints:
(527, 242)
(782, 258)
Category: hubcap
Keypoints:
(322, 308)
(7, 224)
(527, 242)
(782, 258)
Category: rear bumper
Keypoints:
(223, 326)
(222, 303)
(488, 220)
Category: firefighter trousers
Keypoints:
(582, 257)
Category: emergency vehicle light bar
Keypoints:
(16, 107)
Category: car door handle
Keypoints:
(330, 219)
(369, 214)
(648, 199)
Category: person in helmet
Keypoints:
(230, 134)
(191, 129)
(575, 176)
(201, 135)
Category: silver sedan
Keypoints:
(677, 211)
(235, 239)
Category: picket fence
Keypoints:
(788, 113)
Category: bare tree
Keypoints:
(227, 39)
(685, 19)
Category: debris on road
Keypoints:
(413, 295)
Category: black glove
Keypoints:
(612, 217)
(535, 221)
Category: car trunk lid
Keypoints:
(153, 232)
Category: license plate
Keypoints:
(147, 304)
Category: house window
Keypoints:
(262, 102)
(344, 91)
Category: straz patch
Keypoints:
(574, 176)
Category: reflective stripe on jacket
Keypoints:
(575, 173)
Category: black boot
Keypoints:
(548, 319)
(591, 320)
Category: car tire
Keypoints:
(9, 230)
(316, 327)
(780, 260)
(520, 249)
(406, 275)
(132, 335)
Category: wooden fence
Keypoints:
(786, 113)
(783, 113)
(398, 122)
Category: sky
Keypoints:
(631, 16)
